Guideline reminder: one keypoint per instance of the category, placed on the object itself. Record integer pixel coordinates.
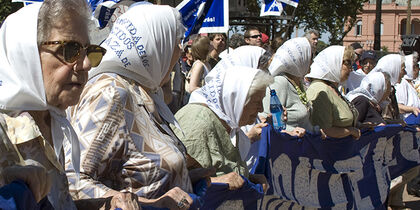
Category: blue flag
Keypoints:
(271, 8)
(204, 16)
(291, 2)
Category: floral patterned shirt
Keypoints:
(123, 148)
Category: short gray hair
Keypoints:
(53, 12)
(261, 81)
(311, 31)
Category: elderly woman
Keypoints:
(394, 65)
(331, 111)
(122, 120)
(44, 58)
(407, 98)
(373, 91)
(211, 121)
(200, 49)
(288, 66)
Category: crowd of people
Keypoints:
(142, 118)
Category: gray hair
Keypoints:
(180, 28)
(261, 81)
(236, 40)
(53, 12)
(311, 31)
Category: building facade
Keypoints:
(393, 24)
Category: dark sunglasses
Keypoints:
(256, 36)
(70, 51)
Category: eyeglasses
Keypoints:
(256, 36)
(70, 51)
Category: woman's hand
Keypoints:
(201, 173)
(174, 199)
(36, 177)
(125, 201)
(355, 132)
(259, 179)
(299, 132)
(254, 134)
(232, 179)
(415, 110)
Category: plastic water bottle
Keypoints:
(276, 110)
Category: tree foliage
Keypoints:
(334, 16)
(7, 8)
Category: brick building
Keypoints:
(393, 24)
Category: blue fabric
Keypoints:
(343, 173)
(211, 197)
(17, 195)
(412, 119)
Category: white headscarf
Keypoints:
(21, 83)
(373, 87)
(327, 64)
(225, 95)
(140, 47)
(293, 57)
(390, 64)
(409, 67)
(246, 55)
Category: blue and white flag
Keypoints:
(204, 16)
(291, 2)
(336, 173)
(271, 8)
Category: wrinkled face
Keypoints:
(219, 43)
(387, 92)
(346, 68)
(402, 72)
(175, 56)
(251, 109)
(255, 38)
(314, 41)
(415, 69)
(368, 64)
(64, 81)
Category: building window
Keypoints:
(358, 31)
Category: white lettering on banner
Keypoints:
(306, 181)
(282, 168)
(335, 184)
(348, 165)
(365, 202)
(406, 147)
(209, 19)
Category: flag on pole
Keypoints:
(271, 8)
(291, 2)
(204, 16)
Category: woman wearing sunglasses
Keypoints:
(122, 120)
(45, 55)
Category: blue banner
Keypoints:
(341, 173)
(412, 119)
(204, 16)
(271, 8)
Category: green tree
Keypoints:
(334, 16)
(7, 8)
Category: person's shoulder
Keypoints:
(360, 100)
(109, 85)
(318, 86)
